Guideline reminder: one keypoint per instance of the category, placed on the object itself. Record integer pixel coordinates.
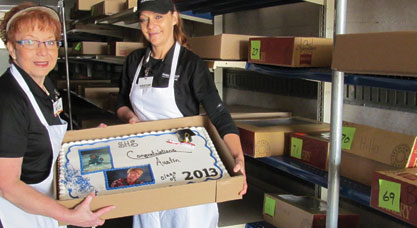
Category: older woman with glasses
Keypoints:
(31, 130)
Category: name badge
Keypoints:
(58, 107)
(145, 82)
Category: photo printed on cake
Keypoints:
(95, 159)
(129, 177)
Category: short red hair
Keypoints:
(30, 20)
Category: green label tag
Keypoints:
(78, 46)
(255, 51)
(296, 147)
(389, 195)
(347, 137)
(269, 206)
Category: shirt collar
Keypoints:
(165, 67)
(35, 89)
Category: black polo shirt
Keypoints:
(21, 132)
(193, 85)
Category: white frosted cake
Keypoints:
(163, 158)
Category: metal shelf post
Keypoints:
(64, 31)
(336, 128)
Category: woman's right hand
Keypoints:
(82, 216)
(126, 114)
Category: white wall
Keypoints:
(381, 16)
(299, 19)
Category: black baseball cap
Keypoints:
(157, 6)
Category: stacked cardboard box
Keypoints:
(384, 53)
(123, 48)
(89, 48)
(289, 211)
(364, 151)
(131, 4)
(291, 51)
(262, 137)
(395, 193)
(387, 147)
(107, 7)
(85, 5)
(222, 46)
(314, 149)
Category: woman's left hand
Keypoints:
(233, 144)
(240, 166)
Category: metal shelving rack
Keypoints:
(331, 179)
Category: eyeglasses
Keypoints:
(34, 44)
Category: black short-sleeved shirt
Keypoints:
(21, 132)
(193, 86)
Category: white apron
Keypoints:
(12, 216)
(155, 104)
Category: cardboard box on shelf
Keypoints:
(163, 198)
(315, 150)
(287, 211)
(263, 137)
(99, 95)
(123, 48)
(131, 4)
(311, 148)
(388, 147)
(395, 192)
(85, 5)
(222, 46)
(107, 7)
(360, 169)
(89, 48)
(382, 53)
(291, 51)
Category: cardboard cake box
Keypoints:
(382, 53)
(291, 51)
(395, 192)
(156, 199)
(315, 150)
(262, 137)
(289, 211)
(388, 147)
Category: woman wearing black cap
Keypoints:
(166, 81)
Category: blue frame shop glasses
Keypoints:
(34, 44)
